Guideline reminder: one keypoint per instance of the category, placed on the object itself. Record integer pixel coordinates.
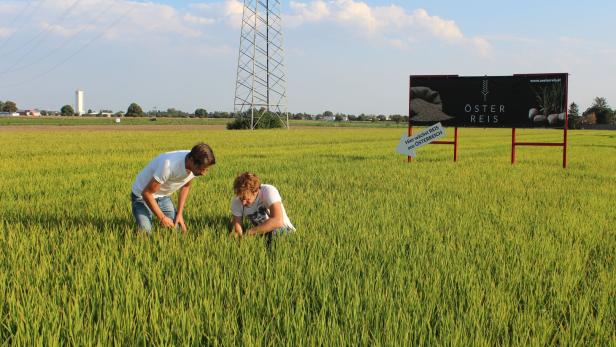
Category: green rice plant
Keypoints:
(477, 252)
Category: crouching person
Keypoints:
(164, 175)
(262, 204)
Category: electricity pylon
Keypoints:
(260, 86)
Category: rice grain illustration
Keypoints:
(427, 112)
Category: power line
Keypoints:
(41, 34)
(14, 67)
(114, 23)
(10, 37)
(10, 24)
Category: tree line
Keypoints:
(598, 113)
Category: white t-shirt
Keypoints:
(168, 169)
(258, 212)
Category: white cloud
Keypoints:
(306, 13)
(66, 31)
(150, 19)
(198, 20)
(233, 11)
(5, 32)
(357, 14)
(131, 20)
(115, 19)
(10, 7)
(440, 28)
(389, 24)
(512, 38)
(227, 11)
(568, 40)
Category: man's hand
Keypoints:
(236, 227)
(251, 232)
(167, 222)
(179, 220)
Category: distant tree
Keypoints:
(118, 114)
(67, 111)
(9, 106)
(44, 113)
(134, 110)
(381, 117)
(90, 111)
(201, 113)
(328, 114)
(601, 110)
(220, 114)
(339, 118)
(574, 110)
(396, 118)
(172, 112)
(574, 116)
(600, 102)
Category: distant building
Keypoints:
(79, 102)
(9, 114)
(589, 119)
(29, 112)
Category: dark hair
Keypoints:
(246, 182)
(201, 154)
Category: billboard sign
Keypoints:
(518, 101)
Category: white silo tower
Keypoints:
(79, 102)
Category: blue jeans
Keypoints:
(143, 214)
(281, 231)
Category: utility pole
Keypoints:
(260, 86)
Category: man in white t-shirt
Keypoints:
(164, 175)
(262, 204)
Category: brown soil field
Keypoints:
(108, 127)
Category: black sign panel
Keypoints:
(519, 101)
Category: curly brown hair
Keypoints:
(246, 182)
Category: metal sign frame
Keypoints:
(514, 143)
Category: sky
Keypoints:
(346, 56)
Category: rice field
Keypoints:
(477, 252)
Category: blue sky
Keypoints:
(346, 56)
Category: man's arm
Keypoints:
(275, 221)
(179, 218)
(148, 196)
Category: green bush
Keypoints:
(239, 123)
(268, 120)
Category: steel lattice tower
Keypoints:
(261, 78)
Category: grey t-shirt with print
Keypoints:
(258, 212)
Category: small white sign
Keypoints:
(117, 120)
(408, 145)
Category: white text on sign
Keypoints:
(408, 145)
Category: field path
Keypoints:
(109, 127)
